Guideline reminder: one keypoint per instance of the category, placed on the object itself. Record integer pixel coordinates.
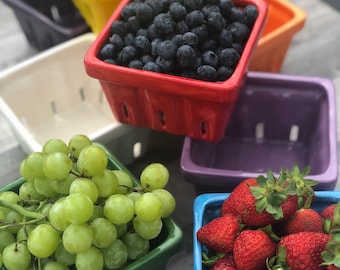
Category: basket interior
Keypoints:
(56, 97)
(273, 126)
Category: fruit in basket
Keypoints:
(185, 31)
(304, 239)
(93, 217)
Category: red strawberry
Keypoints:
(302, 251)
(225, 263)
(251, 211)
(332, 267)
(219, 234)
(251, 250)
(304, 220)
(328, 211)
(263, 201)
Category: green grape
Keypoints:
(119, 209)
(85, 186)
(77, 238)
(168, 201)
(148, 207)
(136, 245)
(43, 186)
(63, 186)
(56, 215)
(54, 145)
(121, 229)
(13, 218)
(92, 160)
(77, 143)
(90, 259)
(98, 211)
(104, 232)
(115, 255)
(63, 256)
(16, 256)
(24, 231)
(147, 229)
(9, 197)
(154, 176)
(0, 260)
(134, 195)
(28, 192)
(43, 240)
(77, 208)
(54, 266)
(106, 183)
(57, 166)
(124, 181)
(31, 166)
(45, 208)
(6, 239)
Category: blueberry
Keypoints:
(136, 64)
(191, 5)
(239, 31)
(166, 65)
(177, 11)
(194, 18)
(151, 66)
(129, 39)
(108, 51)
(215, 22)
(206, 73)
(167, 49)
(110, 61)
(225, 7)
(142, 44)
(188, 73)
(164, 23)
(128, 11)
(119, 27)
(181, 27)
(144, 13)
(235, 15)
(209, 58)
(127, 54)
(208, 44)
(228, 57)
(147, 58)
(201, 32)
(250, 13)
(224, 73)
(152, 32)
(117, 40)
(186, 56)
(134, 24)
(225, 38)
(156, 5)
(189, 38)
(208, 8)
(177, 39)
(154, 46)
(238, 47)
(142, 32)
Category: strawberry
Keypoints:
(332, 267)
(219, 234)
(301, 251)
(251, 250)
(328, 211)
(304, 219)
(225, 263)
(258, 202)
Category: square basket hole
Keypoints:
(294, 133)
(259, 131)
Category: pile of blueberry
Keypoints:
(199, 39)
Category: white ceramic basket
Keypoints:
(51, 96)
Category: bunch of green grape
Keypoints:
(73, 212)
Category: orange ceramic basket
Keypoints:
(283, 22)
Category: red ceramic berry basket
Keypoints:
(169, 103)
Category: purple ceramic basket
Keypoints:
(279, 121)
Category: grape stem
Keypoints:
(134, 189)
(21, 210)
